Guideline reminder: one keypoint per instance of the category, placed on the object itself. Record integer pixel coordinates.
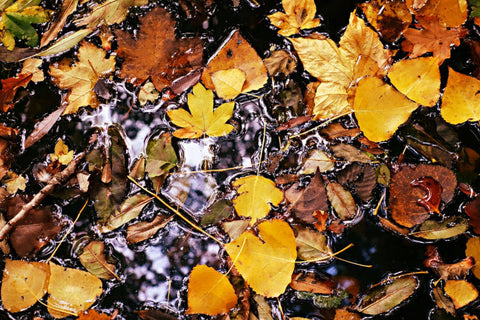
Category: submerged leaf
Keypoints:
(144, 230)
(312, 245)
(129, 210)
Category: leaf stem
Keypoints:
(320, 125)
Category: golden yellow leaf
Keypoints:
(23, 284)
(228, 83)
(71, 291)
(209, 292)
(380, 109)
(202, 119)
(147, 93)
(418, 79)
(299, 14)
(461, 292)
(81, 77)
(267, 264)
(361, 53)
(451, 13)
(14, 182)
(473, 250)
(61, 153)
(255, 194)
(460, 102)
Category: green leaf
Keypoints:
(324, 301)
(218, 211)
(161, 156)
(129, 210)
(94, 260)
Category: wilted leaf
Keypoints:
(434, 230)
(81, 77)
(387, 295)
(255, 195)
(266, 264)
(342, 201)
(7, 146)
(202, 119)
(473, 250)
(360, 178)
(144, 230)
(307, 281)
(129, 210)
(221, 209)
(94, 260)
(312, 245)
(68, 7)
(447, 271)
(157, 53)
(280, 61)
(299, 15)
(209, 292)
(350, 153)
(23, 284)
(317, 159)
(461, 292)
(109, 12)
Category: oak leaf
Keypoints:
(157, 53)
(202, 119)
(299, 15)
(109, 12)
(255, 194)
(209, 292)
(81, 77)
(266, 263)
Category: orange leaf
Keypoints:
(299, 14)
(451, 13)
(94, 315)
(461, 292)
(9, 88)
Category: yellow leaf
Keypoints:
(14, 182)
(80, 78)
(451, 13)
(71, 291)
(418, 79)
(147, 93)
(267, 264)
(299, 14)
(61, 153)
(460, 102)
(30, 66)
(109, 12)
(473, 250)
(228, 83)
(380, 109)
(209, 292)
(461, 292)
(23, 284)
(202, 119)
(256, 193)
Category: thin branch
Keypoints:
(59, 178)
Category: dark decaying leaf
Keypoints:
(129, 210)
(444, 270)
(387, 295)
(308, 281)
(360, 177)
(342, 201)
(155, 315)
(42, 128)
(312, 245)
(7, 138)
(443, 301)
(472, 209)
(221, 209)
(94, 260)
(144, 230)
(433, 152)
(161, 158)
(434, 230)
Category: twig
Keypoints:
(59, 178)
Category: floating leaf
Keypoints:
(266, 264)
(94, 315)
(129, 210)
(14, 182)
(144, 230)
(312, 245)
(31, 66)
(109, 12)
(280, 61)
(43, 127)
(209, 292)
(68, 7)
(235, 228)
(299, 15)
(161, 158)
(350, 153)
(360, 177)
(93, 259)
(217, 212)
(317, 159)
(342, 201)
(255, 194)
(461, 292)
(473, 250)
(61, 153)
(147, 93)
(202, 119)
(228, 83)
(308, 282)
(434, 230)
(451, 13)
(387, 295)
(9, 89)
(65, 43)
(263, 308)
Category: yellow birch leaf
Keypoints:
(228, 83)
(418, 79)
(61, 153)
(71, 291)
(473, 250)
(461, 292)
(80, 78)
(23, 284)
(460, 101)
(255, 194)
(380, 109)
(202, 119)
(299, 14)
(209, 292)
(265, 262)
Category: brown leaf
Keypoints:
(43, 127)
(432, 199)
(7, 145)
(157, 53)
(155, 315)
(307, 281)
(68, 7)
(361, 178)
(144, 230)
(472, 209)
(322, 217)
(280, 62)
(443, 301)
(444, 270)
(9, 89)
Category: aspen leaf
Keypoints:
(209, 292)
(460, 102)
(299, 15)
(266, 264)
(317, 159)
(461, 292)
(202, 119)
(380, 109)
(312, 245)
(228, 83)
(473, 250)
(255, 194)
(23, 284)
(418, 79)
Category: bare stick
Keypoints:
(59, 178)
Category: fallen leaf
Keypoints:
(64, 43)
(307, 281)
(23, 284)
(228, 83)
(9, 89)
(30, 66)
(418, 79)
(460, 102)
(264, 310)
(209, 292)
(94, 315)
(462, 292)
(433, 230)
(129, 210)
(322, 217)
(80, 78)
(61, 153)
(312, 245)
(317, 160)
(433, 192)
(280, 62)
(68, 7)
(109, 12)
(94, 260)
(360, 178)
(220, 210)
(452, 271)
(451, 13)
(235, 228)
(344, 314)
(144, 230)
(8, 138)
(157, 53)
(14, 182)
(237, 53)
(152, 314)
(473, 250)
(350, 153)
(161, 158)
(443, 301)
(266, 264)
(147, 93)
(202, 119)
(299, 15)
(341, 201)
(43, 127)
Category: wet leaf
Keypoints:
(317, 159)
(129, 210)
(263, 308)
(451, 13)
(64, 281)
(344, 314)
(23, 284)
(461, 292)
(147, 93)
(7, 146)
(235, 228)
(109, 12)
(280, 62)
(80, 78)
(209, 292)
(9, 89)
(299, 15)
(342, 201)
(473, 250)
(202, 119)
(322, 217)
(61, 153)
(266, 264)
(157, 53)
(255, 195)
(94, 315)
(154, 315)
(217, 212)
(14, 182)
(31, 66)
(360, 178)
(433, 192)
(161, 158)
(433, 230)
(324, 301)
(312, 245)
(65, 43)
(350, 153)
(308, 282)
(145, 230)
(387, 295)
(228, 83)
(68, 7)
(447, 271)
(43, 127)
(444, 302)
(94, 260)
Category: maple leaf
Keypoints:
(299, 14)
(157, 53)
(450, 13)
(432, 38)
(202, 119)
(109, 12)
(81, 77)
